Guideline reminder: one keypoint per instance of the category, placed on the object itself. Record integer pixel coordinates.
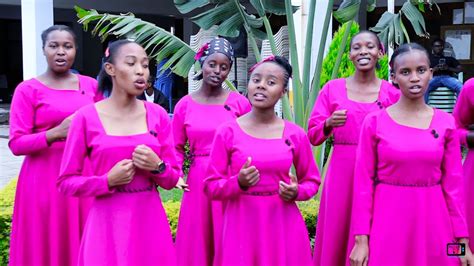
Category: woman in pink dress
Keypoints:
(129, 145)
(195, 120)
(251, 158)
(464, 117)
(339, 111)
(408, 189)
(47, 226)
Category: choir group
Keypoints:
(395, 191)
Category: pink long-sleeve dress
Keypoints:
(464, 117)
(332, 230)
(260, 228)
(46, 225)
(200, 219)
(408, 191)
(127, 225)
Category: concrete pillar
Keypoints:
(36, 16)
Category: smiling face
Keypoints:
(412, 73)
(129, 69)
(365, 51)
(266, 85)
(60, 51)
(215, 69)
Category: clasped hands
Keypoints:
(249, 176)
(143, 157)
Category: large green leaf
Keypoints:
(159, 43)
(186, 6)
(415, 17)
(270, 6)
(371, 5)
(348, 10)
(383, 26)
(391, 29)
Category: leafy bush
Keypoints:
(309, 210)
(7, 197)
(346, 68)
(172, 211)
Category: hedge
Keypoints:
(309, 210)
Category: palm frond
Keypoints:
(159, 43)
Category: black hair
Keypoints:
(405, 48)
(437, 40)
(379, 42)
(104, 79)
(282, 62)
(46, 32)
(151, 79)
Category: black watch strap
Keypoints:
(160, 168)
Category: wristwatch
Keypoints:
(160, 168)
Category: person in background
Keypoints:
(445, 70)
(408, 186)
(46, 225)
(130, 147)
(339, 111)
(151, 94)
(249, 171)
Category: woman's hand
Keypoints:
(248, 175)
(182, 185)
(59, 132)
(288, 192)
(360, 253)
(468, 259)
(121, 174)
(337, 119)
(145, 158)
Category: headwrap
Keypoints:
(217, 45)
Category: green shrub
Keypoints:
(7, 197)
(309, 210)
(346, 68)
(172, 211)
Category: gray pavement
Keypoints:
(9, 164)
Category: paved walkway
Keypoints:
(9, 164)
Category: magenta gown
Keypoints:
(200, 219)
(408, 191)
(127, 225)
(332, 229)
(46, 226)
(260, 228)
(464, 116)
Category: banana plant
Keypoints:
(231, 15)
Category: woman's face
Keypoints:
(215, 69)
(266, 85)
(129, 70)
(60, 51)
(365, 52)
(412, 73)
